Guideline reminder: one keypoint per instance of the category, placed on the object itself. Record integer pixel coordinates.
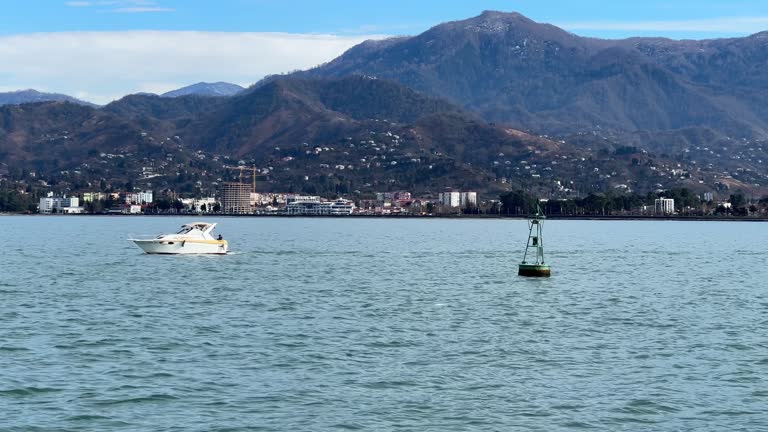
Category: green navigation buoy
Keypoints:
(537, 268)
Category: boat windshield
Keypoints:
(186, 229)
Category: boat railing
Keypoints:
(145, 236)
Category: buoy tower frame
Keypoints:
(535, 249)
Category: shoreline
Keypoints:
(433, 216)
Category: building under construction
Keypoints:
(236, 198)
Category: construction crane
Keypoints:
(253, 175)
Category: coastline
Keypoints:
(433, 216)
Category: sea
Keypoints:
(383, 324)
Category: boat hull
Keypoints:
(534, 270)
(183, 247)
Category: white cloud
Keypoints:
(736, 25)
(123, 6)
(107, 65)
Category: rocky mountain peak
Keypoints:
(206, 89)
(493, 16)
(490, 22)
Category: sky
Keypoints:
(100, 50)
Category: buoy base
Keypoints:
(534, 270)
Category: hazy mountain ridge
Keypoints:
(32, 96)
(217, 89)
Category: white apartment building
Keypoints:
(139, 197)
(458, 199)
(69, 202)
(51, 204)
(47, 205)
(450, 199)
(664, 205)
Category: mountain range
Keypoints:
(206, 89)
(316, 136)
(218, 89)
(508, 68)
(490, 103)
(30, 96)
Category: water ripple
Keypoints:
(326, 324)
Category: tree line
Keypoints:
(686, 202)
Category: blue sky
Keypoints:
(101, 50)
(708, 18)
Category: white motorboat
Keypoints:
(192, 238)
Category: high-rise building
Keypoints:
(450, 199)
(235, 198)
(664, 205)
(468, 199)
(458, 199)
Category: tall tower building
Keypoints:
(236, 198)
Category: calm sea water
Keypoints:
(382, 324)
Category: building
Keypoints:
(402, 196)
(46, 205)
(393, 196)
(664, 205)
(295, 198)
(467, 199)
(69, 202)
(208, 202)
(450, 199)
(138, 197)
(235, 198)
(263, 199)
(94, 196)
(52, 204)
(196, 204)
(458, 199)
(303, 205)
(312, 206)
(128, 209)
